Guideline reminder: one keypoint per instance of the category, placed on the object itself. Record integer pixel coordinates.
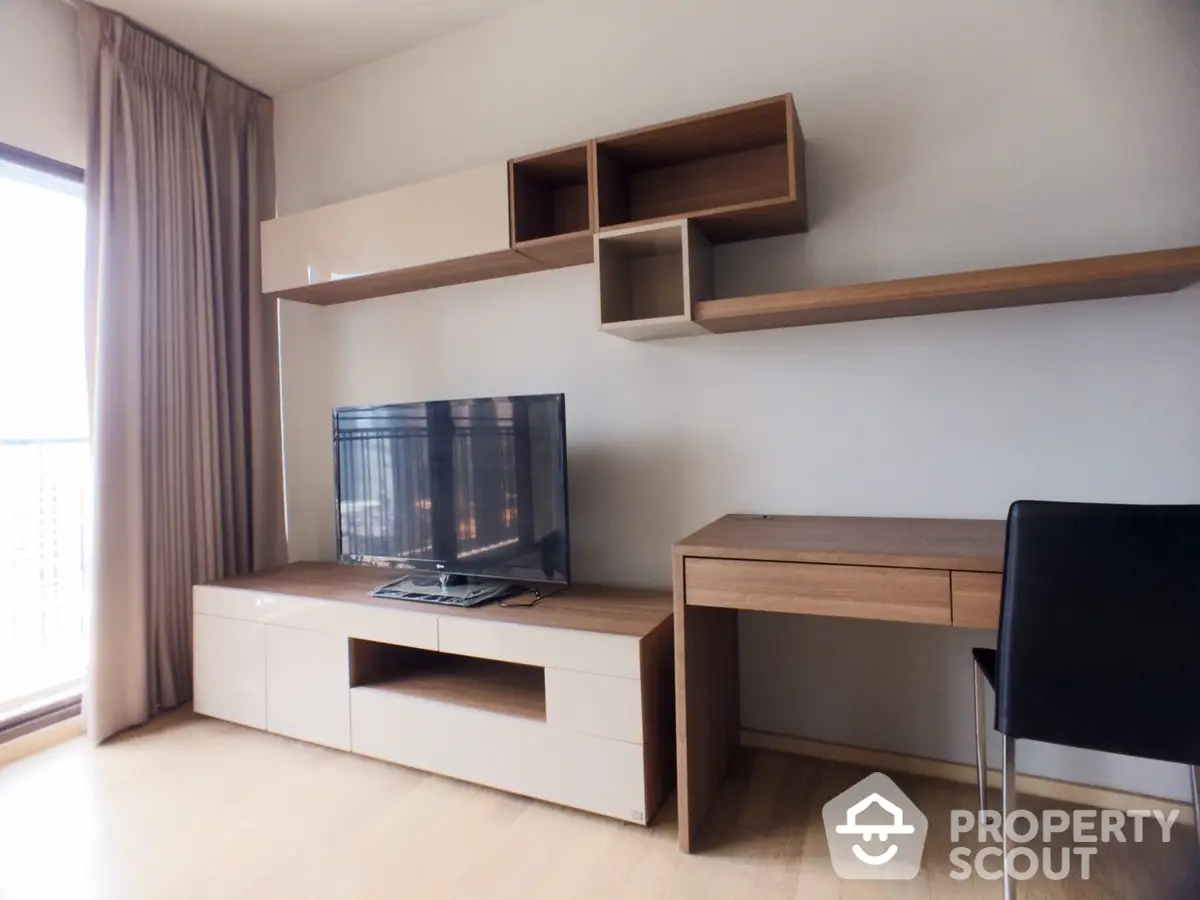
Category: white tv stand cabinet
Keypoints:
(569, 701)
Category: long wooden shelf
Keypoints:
(484, 267)
(1123, 275)
(732, 174)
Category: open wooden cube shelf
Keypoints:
(738, 172)
(650, 276)
(551, 206)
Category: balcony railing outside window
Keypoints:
(44, 490)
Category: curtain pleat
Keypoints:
(183, 358)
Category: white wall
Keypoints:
(942, 135)
(41, 97)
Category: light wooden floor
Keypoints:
(193, 808)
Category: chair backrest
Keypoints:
(1100, 628)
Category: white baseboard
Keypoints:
(42, 739)
(1066, 791)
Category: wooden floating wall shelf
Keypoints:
(646, 205)
(1124, 275)
(737, 173)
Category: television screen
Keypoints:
(464, 487)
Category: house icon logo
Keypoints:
(875, 832)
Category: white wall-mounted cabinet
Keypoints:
(436, 221)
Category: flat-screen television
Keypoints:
(459, 487)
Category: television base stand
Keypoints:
(442, 589)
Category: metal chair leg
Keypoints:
(1196, 798)
(981, 736)
(1009, 804)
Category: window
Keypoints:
(44, 453)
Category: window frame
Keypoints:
(44, 164)
(62, 707)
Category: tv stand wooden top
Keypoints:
(606, 610)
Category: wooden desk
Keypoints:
(932, 571)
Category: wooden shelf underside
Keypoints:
(506, 688)
(417, 278)
(1124, 275)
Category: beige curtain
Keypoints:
(183, 357)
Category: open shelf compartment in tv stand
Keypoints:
(504, 688)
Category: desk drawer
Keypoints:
(857, 592)
(976, 597)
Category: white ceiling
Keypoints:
(274, 45)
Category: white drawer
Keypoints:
(594, 704)
(579, 651)
(228, 603)
(513, 754)
(372, 623)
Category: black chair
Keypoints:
(1099, 643)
